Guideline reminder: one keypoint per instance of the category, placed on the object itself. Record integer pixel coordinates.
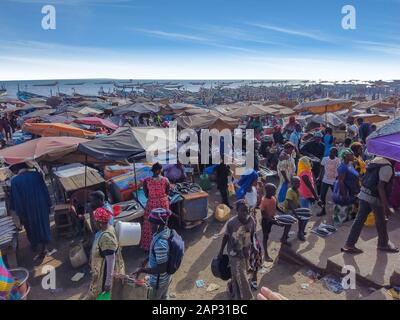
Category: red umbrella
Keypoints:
(46, 148)
(97, 122)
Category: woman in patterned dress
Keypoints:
(106, 258)
(156, 189)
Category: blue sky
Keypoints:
(207, 39)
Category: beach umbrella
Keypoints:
(56, 129)
(46, 148)
(324, 105)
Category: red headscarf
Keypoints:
(102, 215)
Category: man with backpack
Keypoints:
(374, 197)
(165, 255)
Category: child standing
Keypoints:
(268, 211)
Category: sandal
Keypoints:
(352, 250)
(389, 248)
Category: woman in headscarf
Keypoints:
(156, 189)
(286, 170)
(308, 194)
(106, 258)
(345, 189)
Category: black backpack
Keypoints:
(370, 180)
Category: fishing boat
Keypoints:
(3, 91)
(48, 84)
(75, 83)
(198, 83)
(24, 96)
(104, 82)
(176, 86)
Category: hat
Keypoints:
(102, 215)
(159, 216)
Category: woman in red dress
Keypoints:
(156, 189)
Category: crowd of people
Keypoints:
(308, 166)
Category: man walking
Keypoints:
(374, 195)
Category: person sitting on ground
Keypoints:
(374, 197)
(268, 212)
(175, 172)
(159, 280)
(238, 237)
(328, 175)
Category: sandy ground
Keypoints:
(202, 244)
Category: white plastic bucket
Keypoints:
(129, 233)
(77, 256)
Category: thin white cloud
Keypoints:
(381, 47)
(171, 35)
(188, 37)
(293, 32)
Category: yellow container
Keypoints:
(370, 222)
(222, 213)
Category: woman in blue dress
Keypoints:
(30, 200)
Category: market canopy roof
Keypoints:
(97, 122)
(38, 113)
(329, 118)
(372, 118)
(138, 107)
(121, 145)
(379, 104)
(46, 149)
(207, 121)
(56, 129)
(324, 105)
(392, 127)
(253, 110)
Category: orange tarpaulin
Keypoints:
(56, 130)
(48, 148)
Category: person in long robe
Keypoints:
(30, 200)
